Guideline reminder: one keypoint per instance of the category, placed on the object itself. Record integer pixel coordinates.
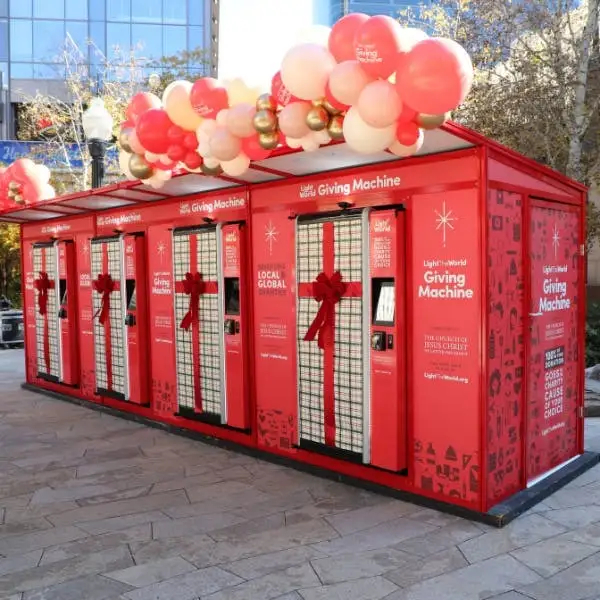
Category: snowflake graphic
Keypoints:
(556, 240)
(85, 249)
(161, 248)
(271, 234)
(444, 221)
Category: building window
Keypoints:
(196, 38)
(77, 31)
(174, 40)
(3, 40)
(146, 11)
(48, 40)
(45, 9)
(174, 11)
(119, 10)
(20, 8)
(48, 71)
(78, 9)
(196, 12)
(20, 40)
(97, 9)
(21, 70)
(118, 36)
(3, 8)
(147, 40)
(98, 36)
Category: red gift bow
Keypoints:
(42, 285)
(104, 285)
(194, 286)
(328, 291)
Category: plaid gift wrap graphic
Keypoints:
(197, 320)
(47, 335)
(109, 316)
(331, 381)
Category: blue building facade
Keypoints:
(339, 8)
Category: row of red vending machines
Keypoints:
(416, 325)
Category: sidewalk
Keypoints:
(93, 507)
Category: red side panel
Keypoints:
(233, 239)
(68, 312)
(388, 399)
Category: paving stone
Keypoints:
(152, 572)
(222, 489)
(579, 516)
(373, 588)
(585, 535)
(290, 596)
(441, 539)
(270, 586)
(193, 545)
(420, 570)
(235, 503)
(92, 587)
(22, 527)
(512, 595)
(524, 531)
(119, 523)
(571, 497)
(27, 513)
(368, 516)
(245, 528)
(435, 517)
(551, 556)
(201, 524)
(120, 508)
(65, 570)
(188, 586)
(123, 494)
(267, 505)
(19, 544)
(49, 495)
(578, 582)
(486, 579)
(360, 565)
(386, 534)
(257, 566)
(20, 562)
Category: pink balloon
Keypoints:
(134, 143)
(377, 44)
(305, 70)
(292, 119)
(347, 81)
(239, 120)
(379, 104)
(223, 145)
(435, 76)
(363, 138)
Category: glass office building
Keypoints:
(32, 33)
(339, 8)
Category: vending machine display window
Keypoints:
(384, 302)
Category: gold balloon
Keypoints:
(124, 139)
(211, 172)
(320, 102)
(336, 128)
(317, 119)
(139, 168)
(13, 186)
(19, 199)
(432, 121)
(265, 121)
(266, 102)
(331, 109)
(269, 140)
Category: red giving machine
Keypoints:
(210, 321)
(55, 284)
(120, 325)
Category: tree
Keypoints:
(537, 82)
(57, 120)
(10, 265)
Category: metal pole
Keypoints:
(97, 151)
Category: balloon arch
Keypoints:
(366, 81)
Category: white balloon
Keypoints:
(208, 126)
(222, 117)
(151, 157)
(405, 151)
(204, 148)
(42, 173)
(363, 138)
(293, 143)
(211, 163)
(305, 70)
(124, 164)
(322, 137)
(236, 167)
(316, 34)
(47, 192)
(309, 143)
(410, 37)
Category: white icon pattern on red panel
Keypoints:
(271, 234)
(556, 240)
(444, 222)
(161, 249)
(85, 249)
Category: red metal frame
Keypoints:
(425, 182)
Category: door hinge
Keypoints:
(582, 250)
(581, 412)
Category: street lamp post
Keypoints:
(97, 127)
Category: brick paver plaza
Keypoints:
(93, 507)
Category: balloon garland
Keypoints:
(24, 182)
(366, 81)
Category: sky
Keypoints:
(254, 35)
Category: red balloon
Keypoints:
(253, 150)
(175, 133)
(377, 45)
(208, 97)
(141, 103)
(435, 76)
(341, 38)
(176, 152)
(152, 130)
(126, 124)
(161, 166)
(193, 160)
(331, 99)
(190, 141)
(282, 95)
(407, 134)
(407, 115)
